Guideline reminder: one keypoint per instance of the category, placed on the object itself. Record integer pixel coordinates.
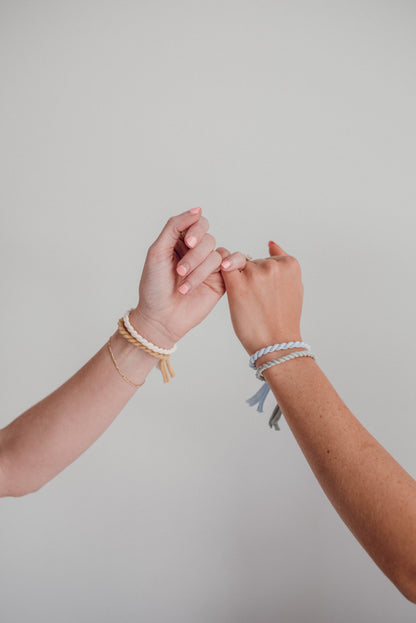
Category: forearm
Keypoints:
(372, 493)
(53, 433)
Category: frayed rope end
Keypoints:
(259, 397)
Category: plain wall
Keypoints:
(286, 120)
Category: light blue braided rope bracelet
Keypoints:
(260, 396)
(271, 349)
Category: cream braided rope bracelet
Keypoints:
(142, 340)
(164, 359)
(126, 330)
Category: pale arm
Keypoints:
(179, 286)
(50, 435)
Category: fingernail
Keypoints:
(194, 210)
(271, 242)
(226, 264)
(182, 269)
(191, 241)
(184, 288)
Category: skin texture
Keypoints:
(50, 435)
(371, 492)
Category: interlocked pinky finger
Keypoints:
(235, 261)
(224, 253)
(201, 272)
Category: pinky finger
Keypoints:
(223, 253)
(235, 261)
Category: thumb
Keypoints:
(274, 249)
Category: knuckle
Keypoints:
(223, 251)
(152, 249)
(154, 252)
(211, 240)
(294, 263)
(204, 222)
(271, 266)
(238, 260)
(217, 257)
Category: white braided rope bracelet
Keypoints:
(142, 340)
(273, 362)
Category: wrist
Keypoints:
(135, 362)
(277, 354)
(279, 338)
(153, 330)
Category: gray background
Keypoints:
(285, 120)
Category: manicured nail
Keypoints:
(191, 241)
(184, 288)
(226, 264)
(271, 242)
(194, 210)
(182, 269)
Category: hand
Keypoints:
(265, 298)
(181, 280)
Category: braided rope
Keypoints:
(269, 364)
(270, 349)
(164, 364)
(142, 340)
(127, 335)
